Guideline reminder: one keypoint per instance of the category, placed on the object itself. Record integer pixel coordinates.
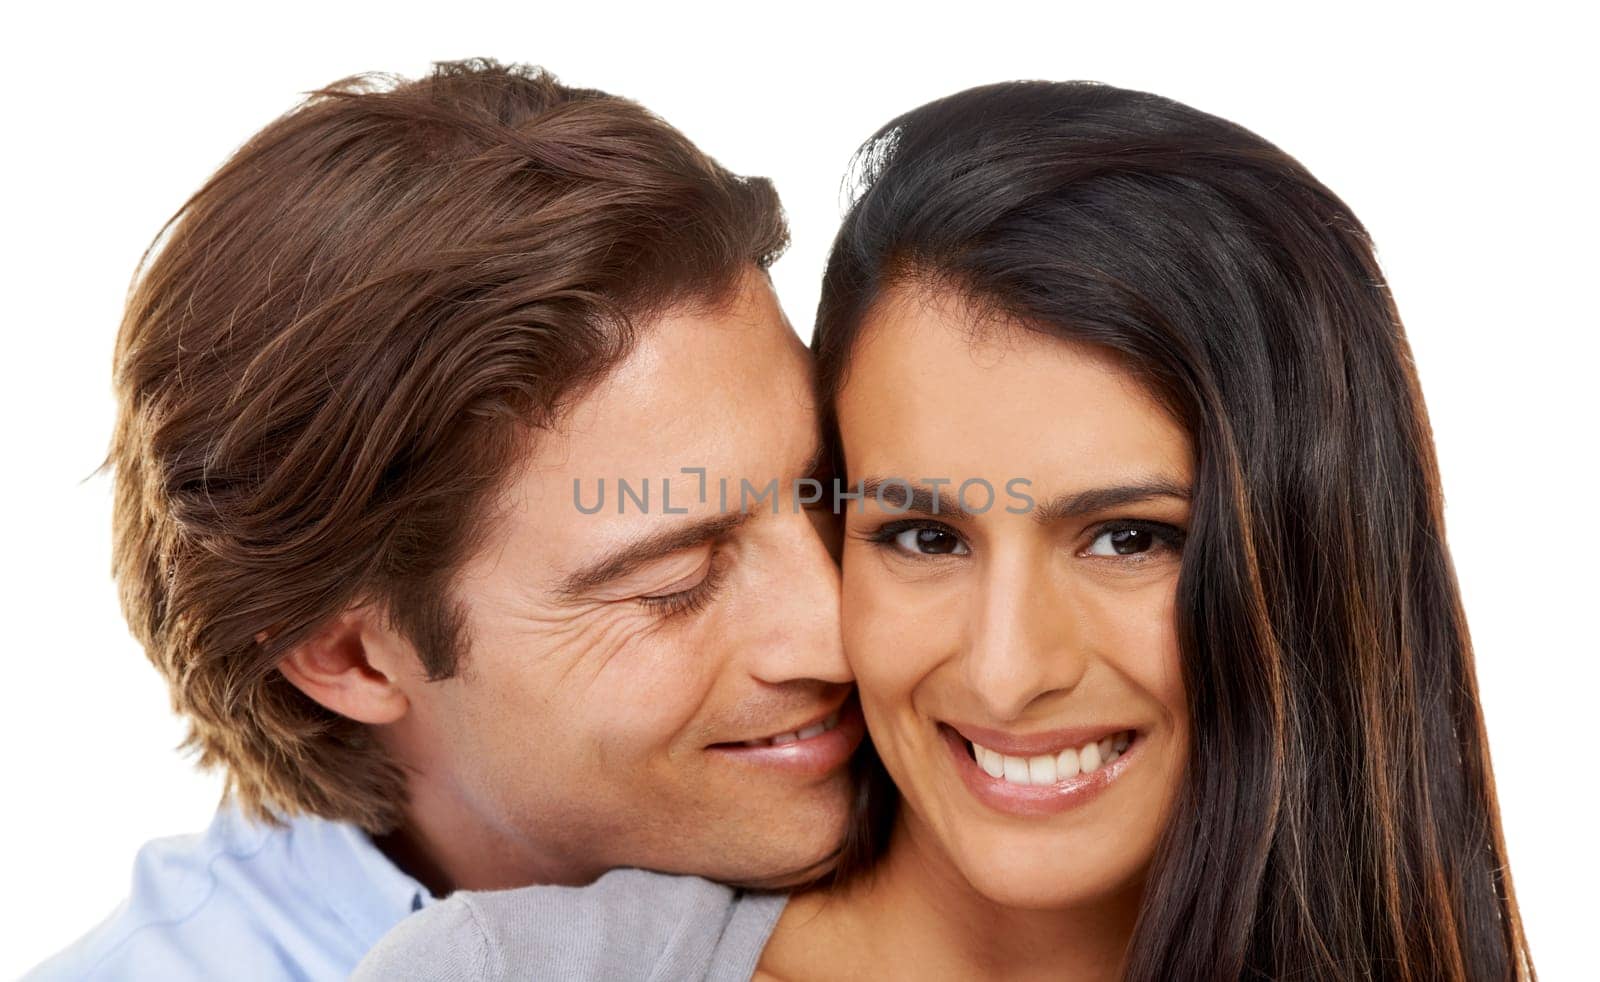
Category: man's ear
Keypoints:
(351, 665)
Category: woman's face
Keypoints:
(1018, 666)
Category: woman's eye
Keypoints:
(1121, 542)
(928, 541)
(1132, 540)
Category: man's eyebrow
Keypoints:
(1099, 499)
(647, 548)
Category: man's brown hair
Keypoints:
(337, 352)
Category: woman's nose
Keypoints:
(1024, 644)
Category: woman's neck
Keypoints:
(916, 910)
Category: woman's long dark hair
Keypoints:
(1338, 815)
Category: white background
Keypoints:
(1462, 140)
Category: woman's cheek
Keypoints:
(897, 624)
(869, 621)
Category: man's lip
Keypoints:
(811, 720)
(1040, 743)
(815, 756)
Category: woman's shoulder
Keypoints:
(629, 923)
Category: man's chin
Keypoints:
(782, 853)
(790, 879)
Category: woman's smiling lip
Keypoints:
(818, 753)
(1033, 744)
(1031, 800)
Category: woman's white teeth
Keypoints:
(1050, 768)
(815, 729)
(1089, 758)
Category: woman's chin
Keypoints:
(1078, 842)
(1029, 882)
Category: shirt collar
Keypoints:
(362, 885)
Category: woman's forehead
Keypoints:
(927, 390)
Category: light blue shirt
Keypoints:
(246, 901)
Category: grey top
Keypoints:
(629, 924)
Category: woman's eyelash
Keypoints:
(1169, 536)
(689, 601)
(885, 534)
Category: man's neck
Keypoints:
(405, 852)
(446, 846)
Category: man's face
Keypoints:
(618, 663)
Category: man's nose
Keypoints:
(806, 642)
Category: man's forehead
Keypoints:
(694, 363)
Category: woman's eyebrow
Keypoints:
(911, 496)
(934, 499)
(1077, 503)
